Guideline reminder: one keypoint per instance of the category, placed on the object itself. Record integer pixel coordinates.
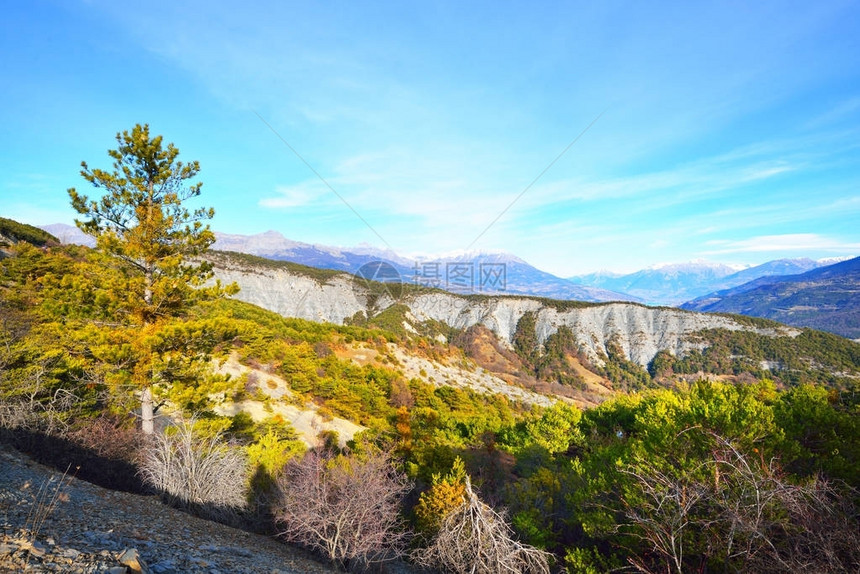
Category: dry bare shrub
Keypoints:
(744, 515)
(768, 524)
(40, 410)
(663, 514)
(16, 415)
(50, 493)
(475, 539)
(197, 472)
(827, 537)
(346, 508)
(108, 437)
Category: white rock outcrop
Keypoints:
(293, 295)
(639, 330)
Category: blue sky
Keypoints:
(725, 131)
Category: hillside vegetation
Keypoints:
(712, 444)
(664, 474)
(564, 348)
(12, 232)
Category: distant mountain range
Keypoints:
(786, 290)
(827, 298)
(69, 234)
(470, 273)
(677, 283)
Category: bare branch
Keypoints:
(475, 539)
(345, 508)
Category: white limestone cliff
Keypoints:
(639, 330)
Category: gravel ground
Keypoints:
(93, 530)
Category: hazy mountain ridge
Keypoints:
(678, 283)
(773, 268)
(826, 298)
(463, 273)
(670, 284)
(69, 234)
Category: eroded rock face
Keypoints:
(293, 295)
(639, 331)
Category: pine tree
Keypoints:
(144, 228)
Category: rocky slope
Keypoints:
(90, 529)
(306, 420)
(640, 331)
(330, 297)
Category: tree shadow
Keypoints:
(84, 463)
(262, 499)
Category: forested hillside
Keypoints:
(629, 483)
(12, 232)
(589, 349)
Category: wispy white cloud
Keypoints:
(798, 242)
(842, 205)
(292, 196)
(682, 183)
(760, 172)
(837, 113)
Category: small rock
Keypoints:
(38, 550)
(117, 570)
(7, 548)
(132, 560)
(70, 553)
(236, 551)
(164, 567)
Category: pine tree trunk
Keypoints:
(147, 289)
(147, 414)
